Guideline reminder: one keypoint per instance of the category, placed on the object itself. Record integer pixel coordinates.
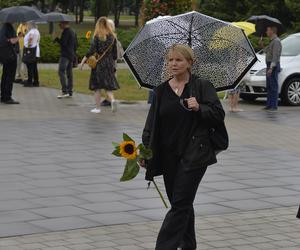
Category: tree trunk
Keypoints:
(81, 11)
(137, 9)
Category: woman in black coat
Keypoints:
(177, 130)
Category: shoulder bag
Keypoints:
(95, 58)
(29, 55)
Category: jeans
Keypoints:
(66, 68)
(8, 76)
(33, 74)
(178, 228)
(272, 87)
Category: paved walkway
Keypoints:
(57, 173)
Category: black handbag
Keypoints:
(7, 54)
(218, 134)
(29, 55)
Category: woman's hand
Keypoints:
(13, 40)
(142, 163)
(80, 65)
(193, 104)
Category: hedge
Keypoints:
(50, 51)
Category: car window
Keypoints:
(291, 46)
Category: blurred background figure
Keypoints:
(31, 54)
(120, 52)
(68, 46)
(104, 45)
(9, 45)
(234, 97)
(21, 73)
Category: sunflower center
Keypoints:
(129, 149)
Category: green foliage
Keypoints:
(155, 8)
(126, 35)
(126, 137)
(5, 3)
(131, 170)
(50, 51)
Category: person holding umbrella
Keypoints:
(9, 42)
(273, 53)
(177, 131)
(21, 74)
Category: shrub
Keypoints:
(50, 51)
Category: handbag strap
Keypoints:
(107, 49)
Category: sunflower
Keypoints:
(88, 35)
(128, 150)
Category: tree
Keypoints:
(118, 7)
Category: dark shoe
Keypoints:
(28, 85)
(18, 81)
(36, 84)
(11, 101)
(272, 109)
(105, 103)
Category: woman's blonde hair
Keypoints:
(184, 50)
(103, 28)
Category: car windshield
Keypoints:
(291, 46)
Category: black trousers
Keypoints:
(33, 74)
(178, 228)
(7, 79)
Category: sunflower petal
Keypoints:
(131, 170)
(127, 137)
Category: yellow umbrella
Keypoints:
(249, 28)
(219, 40)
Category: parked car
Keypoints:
(254, 83)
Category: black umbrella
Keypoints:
(223, 52)
(58, 17)
(264, 21)
(19, 14)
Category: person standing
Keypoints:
(104, 44)
(32, 40)
(273, 53)
(8, 40)
(183, 111)
(21, 74)
(68, 46)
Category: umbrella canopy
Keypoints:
(58, 17)
(264, 21)
(249, 28)
(19, 14)
(224, 66)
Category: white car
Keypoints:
(254, 83)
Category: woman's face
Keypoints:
(178, 64)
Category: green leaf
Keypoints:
(116, 152)
(131, 170)
(145, 153)
(127, 137)
(115, 144)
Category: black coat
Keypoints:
(199, 151)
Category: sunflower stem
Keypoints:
(160, 194)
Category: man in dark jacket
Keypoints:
(8, 42)
(68, 45)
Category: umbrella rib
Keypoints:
(176, 26)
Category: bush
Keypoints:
(50, 52)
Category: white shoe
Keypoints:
(96, 111)
(63, 96)
(113, 106)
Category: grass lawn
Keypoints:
(129, 90)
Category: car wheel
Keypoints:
(291, 92)
(248, 98)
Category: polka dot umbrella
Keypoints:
(224, 66)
